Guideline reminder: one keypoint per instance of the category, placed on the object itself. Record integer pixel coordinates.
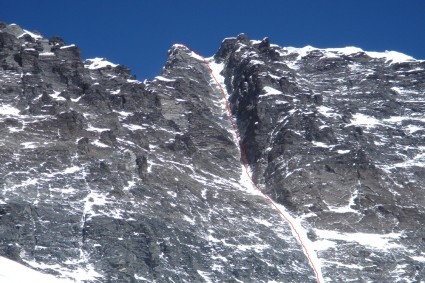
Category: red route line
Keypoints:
(245, 163)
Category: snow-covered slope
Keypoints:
(108, 179)
(13, 272)
(335, 135)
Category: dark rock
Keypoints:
(56, 41)
(71, 53)
(105, 175)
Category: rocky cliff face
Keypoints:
(107, 179)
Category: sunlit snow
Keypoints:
(9, 110)
(13, 272)
(360, 119)
(377, 241)
(98, 63)
(33, 35)
(388, 56)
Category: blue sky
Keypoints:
(138, 33)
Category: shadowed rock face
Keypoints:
(107, 179)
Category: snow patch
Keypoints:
(327, 112)
(297, 229)
(188, 219)
(133, 127)
(80, 274)
(270, 91)
(9, 110)
(13, 272)
(93, 198)
(33, 35)
(98, 63)
(320, 144)
(72, 170)
(205, 276)
(376, 241)
(67, 46)
(191, 53)
(360, 119)
(55, 96)
(419, 258)
(348, 50)
(216, 69)
(46, 54)
(246, 182)
(413, 129)
(164, 79)
(389, 56)
(94, 129)
(262, 221)
(100, 144)
(29, 145)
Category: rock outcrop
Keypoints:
(107, 179)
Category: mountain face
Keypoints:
(107, 179)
